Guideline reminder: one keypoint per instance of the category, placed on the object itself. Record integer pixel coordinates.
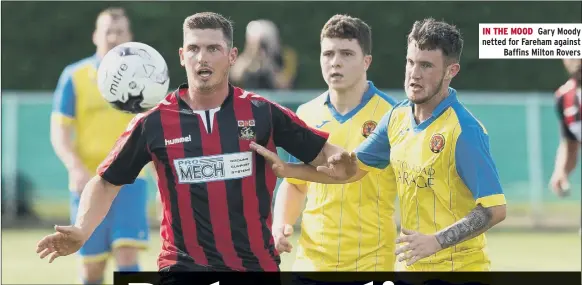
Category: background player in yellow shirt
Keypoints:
(346, 227)
(448, 185)
(84, 128)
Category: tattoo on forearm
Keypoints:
(474, 224)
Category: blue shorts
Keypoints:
(126, 223)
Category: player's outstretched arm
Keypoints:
(120, 167)
(308, 145)
(339, 169)
(95, 203)
(96, 199)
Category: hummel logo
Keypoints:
(179, 140)
(322, 123)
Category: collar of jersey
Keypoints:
(365, 99)
(452, 98)
(183, 88)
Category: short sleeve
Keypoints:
(129, 155)
(374, 153)
(64, 97)
(476, 168)
(295, 136)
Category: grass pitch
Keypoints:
(509, 251)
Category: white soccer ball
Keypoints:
(133, 77)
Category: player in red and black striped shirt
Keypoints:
(216, 192)
(569, 110)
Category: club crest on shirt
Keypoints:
(437, 143)
(246, 130)
(368, 127)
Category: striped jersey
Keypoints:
(443, 168)
(215, 191)
(569, 109)
(348, 227)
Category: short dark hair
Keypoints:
(347, 27)
(430, 34)
(115, 13)
(210, 20)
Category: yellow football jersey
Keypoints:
(443, 169)
(77, 101)
(348, 227)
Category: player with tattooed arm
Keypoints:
(447, 182)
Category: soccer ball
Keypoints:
(133, 77)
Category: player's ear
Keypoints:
(181, 53)
(232, 55)
(452, 70)
(367, 61)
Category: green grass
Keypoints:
(538, 251)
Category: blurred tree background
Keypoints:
(40, 38)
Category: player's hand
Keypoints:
(281, 233)
(67, 240)
(341, 166)
(78, 178)
(559, 184)
(279, 167)
(418, 246)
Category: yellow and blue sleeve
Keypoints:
(476, 167)
(374, 153)
(64, 98)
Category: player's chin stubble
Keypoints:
(432, 93)
(424, 99)
(209, 86)
(205, 86)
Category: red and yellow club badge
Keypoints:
(437, 143)
(368, 127)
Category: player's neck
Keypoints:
(423, 112)
(206, 100)
(346, 100)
